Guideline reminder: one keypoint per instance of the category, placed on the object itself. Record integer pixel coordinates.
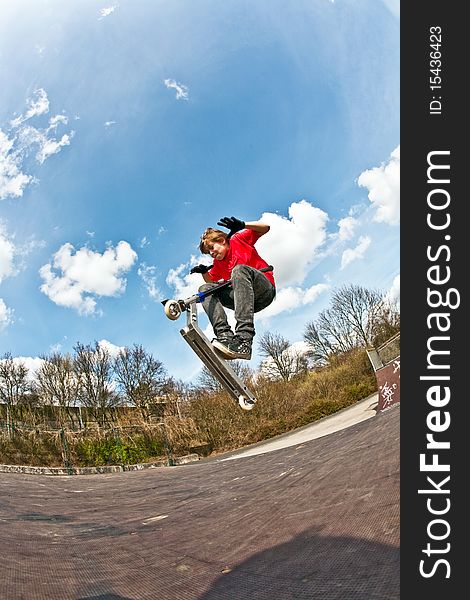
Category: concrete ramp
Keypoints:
(317, 520)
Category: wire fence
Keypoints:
(390, 349)
(386, 353)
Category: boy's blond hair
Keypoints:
(209, 236)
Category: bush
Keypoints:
(31, 448)
(113, 449)
(212, 422)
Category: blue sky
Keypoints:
(127, 128)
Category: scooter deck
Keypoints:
(217, 365)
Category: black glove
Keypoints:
(200, 269)
(233, 224)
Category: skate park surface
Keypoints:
(310, 515)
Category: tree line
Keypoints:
(92, 378)
(356, 318)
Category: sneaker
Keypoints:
(221, 344)
(239, 348)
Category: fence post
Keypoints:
(80, 417)
(118, 440)
(166, 443)
(8, 421)
(66, 453)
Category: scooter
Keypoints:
(204, 349)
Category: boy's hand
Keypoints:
(200, 269)
(233, 224)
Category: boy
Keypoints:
(235, 258)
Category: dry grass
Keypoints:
(281, 405)
(209, 423)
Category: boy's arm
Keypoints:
(257, 226)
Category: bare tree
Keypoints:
(57, 383)
(93, 368)
(386, 325)
(356, 317)
(319, 347)
(281, 359)
(207, 382)
(359, 309)
(140, 376)
(13, 384)
(330, 334)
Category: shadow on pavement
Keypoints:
(314, 567)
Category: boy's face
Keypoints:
(218, 249)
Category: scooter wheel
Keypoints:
(172, 309)
(245, 403)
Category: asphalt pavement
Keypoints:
(311, 515)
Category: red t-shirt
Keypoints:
(241, 252)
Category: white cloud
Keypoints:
(12, 255)
(300, 348)
(186, 285)
(57, 120)
(292, 243)
(31, 363)
(181, 90)
(38, 104)
(7, 255)
(346, 228)
(356, 253)
(16, 145)
(55, 348)
(105, 12)
(85, 274)
(148, 274)
(6, 315)
(393, 295)
(383, 184)
(290, 298)
(12, 179)
(112, 349)
(48, 147)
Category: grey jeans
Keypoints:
(250, 292)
